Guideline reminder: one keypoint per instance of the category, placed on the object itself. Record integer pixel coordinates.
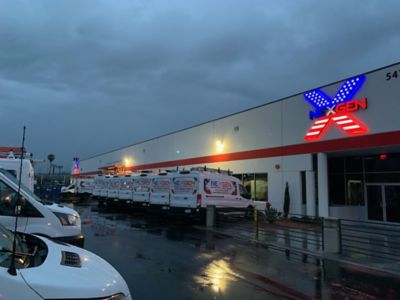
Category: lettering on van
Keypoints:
(184, 185)
(142, 185)
(337, 110)
(222, 187)
(115, 184)
(161, 185)
(127, 185)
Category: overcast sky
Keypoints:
(89, 76)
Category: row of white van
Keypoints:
(46, 268)
(184, 191)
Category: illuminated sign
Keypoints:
(337, 110)
(76, 166)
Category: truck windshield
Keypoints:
(24, 189)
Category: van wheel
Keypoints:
(249, 212)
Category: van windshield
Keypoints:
(243, 192)
(12, 178)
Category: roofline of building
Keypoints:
(242, 111)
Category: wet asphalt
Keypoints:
(164, 257)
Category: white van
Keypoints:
(193, 191)
(50, 220)
(84, 186)
(141, 190)
(126, 189)
(13, 165)
(49, 270)
(104, 187)
(80, 187)
(97, 185)
(160, 191)
(68, 190)
(114, 185)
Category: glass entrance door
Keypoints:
(375, 202)
(383, 202)
(392, 199)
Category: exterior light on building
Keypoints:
(127, 162)
(383, 157)
(220, 146)
(178, 151)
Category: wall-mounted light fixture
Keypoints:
(220, 146)
(127, 161)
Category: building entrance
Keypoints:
(383, 202)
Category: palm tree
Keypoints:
(51, 157)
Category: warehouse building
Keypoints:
(337, 147)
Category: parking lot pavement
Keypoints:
(166, 258)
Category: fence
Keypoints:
(298, 234)
(370, 239)
(375, 241)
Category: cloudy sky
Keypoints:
(88, 76)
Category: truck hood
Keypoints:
(96, 278)
(54, 207)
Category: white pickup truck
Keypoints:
(49, 270)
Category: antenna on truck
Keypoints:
(17, 210)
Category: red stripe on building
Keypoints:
(359, 142)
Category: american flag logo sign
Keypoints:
(336, 110)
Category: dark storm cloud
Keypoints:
(90, 76)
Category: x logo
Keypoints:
(325, 114)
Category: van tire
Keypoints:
(249, 212)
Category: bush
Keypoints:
(306, 219)
(286, 202)
(271, 214)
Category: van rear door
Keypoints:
(98, 184)
(184, 191)
(113, 187)
(141, 189)
(126, 189)
(160, 190)
(105, 186)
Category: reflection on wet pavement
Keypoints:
(169, 258)
(216, 275)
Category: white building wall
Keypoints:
(279, 124)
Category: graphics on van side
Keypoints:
(337, 110)
(184, 185)
(222, 187)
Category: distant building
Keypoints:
(337, 146)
